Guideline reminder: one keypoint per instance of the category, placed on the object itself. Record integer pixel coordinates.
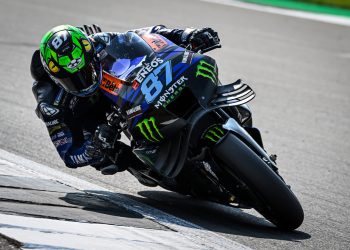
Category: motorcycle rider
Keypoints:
(67, 73)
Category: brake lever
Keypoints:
(216, 46)
(201, 51)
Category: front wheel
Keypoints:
(273, 198)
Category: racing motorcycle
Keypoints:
(193, 134)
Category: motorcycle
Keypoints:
(193, 134)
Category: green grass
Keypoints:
(307, 5)
(333, 3)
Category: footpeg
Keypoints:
(273, 158)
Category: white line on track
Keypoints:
(286, 12)
(198, 235)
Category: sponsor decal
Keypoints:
(80, 159)
(207, 167)
(151, 151)
(135, 111)
(111, 84)
(149, 129)
(74, 63)
(206, 70)
(187, 58)
(148, 68)
(51, 123)
(55, 128)
(214, 133)
(173, 91)
(135, 85)
(62, 141)
(102, 54)
(155, 41)
(48, 110)
(58, 135)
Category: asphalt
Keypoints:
(51, 199)
(298, 68)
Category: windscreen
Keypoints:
(127, 54)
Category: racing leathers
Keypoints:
(75, 122)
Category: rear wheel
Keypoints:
(273, 198)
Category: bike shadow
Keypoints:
(211, 216)
(216, 217)
(93, 208)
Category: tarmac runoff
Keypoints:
(43, 208)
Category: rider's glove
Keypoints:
(102, 141)
(201, 39)
(105, 137)
(116, 160)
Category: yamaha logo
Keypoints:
(74, 63)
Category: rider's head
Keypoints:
(68, 55)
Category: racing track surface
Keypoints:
(298, 68)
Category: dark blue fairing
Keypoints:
(156, 83)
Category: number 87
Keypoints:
(151, 86)
(57, 41)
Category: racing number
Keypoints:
(151, 86)
(57, 41)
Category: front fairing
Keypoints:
(156, 84)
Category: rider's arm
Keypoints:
(65, 134)
(177, 36)
(68, 138)
(198, 39)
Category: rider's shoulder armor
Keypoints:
(46, 94)
(44, 89)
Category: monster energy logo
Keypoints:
(214, 134)
(149, 129)
(206, 70)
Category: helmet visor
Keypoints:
(84, 82)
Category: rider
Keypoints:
(67, 73)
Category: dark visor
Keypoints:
(82, 81)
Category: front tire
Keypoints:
(274, 199)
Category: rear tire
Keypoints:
(274, 199)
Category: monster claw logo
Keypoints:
(206, 70)
(214, 133)
(149, 129)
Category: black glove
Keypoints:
(102, 141)
(202, 39)
(105, 137)
(119, 159)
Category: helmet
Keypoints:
(68, 55)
